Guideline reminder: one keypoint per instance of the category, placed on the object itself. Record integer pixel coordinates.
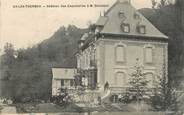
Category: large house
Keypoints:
(122, 38)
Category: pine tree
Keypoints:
(138, 84)
(165, 97)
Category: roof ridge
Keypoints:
(111, 8)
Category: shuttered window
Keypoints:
(62, 82)
(149, 55)
(120, 54)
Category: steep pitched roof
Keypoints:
(101, 21)
(112, 22)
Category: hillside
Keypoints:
(29, 75)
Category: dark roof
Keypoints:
(101, 21)
(111, 22)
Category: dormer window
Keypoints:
(121, 15)
(141, 29)
(125, 27)
(136, 16)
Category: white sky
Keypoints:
(25, 27)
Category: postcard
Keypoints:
(92, 57)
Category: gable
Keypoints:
(112, 22)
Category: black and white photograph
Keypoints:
(91, 57)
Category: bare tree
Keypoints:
(162, 3)
(154, 3)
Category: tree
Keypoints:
(8, 60)
(154, 3)
(9, 54)
(138, 84)
(162, 3)
(165, 97)
(9, 49)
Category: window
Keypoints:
(66, 82)
(148, 54)
(58, 84)
(71, 82)
(86, 60)
(136, 16)
(82, 61)
(120, 79)
(125, 27)
(92, 58)
(120, 54)
(122, 15)
(62, 82)
(141, 29)
(78, 61)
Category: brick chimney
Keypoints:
(124, 1)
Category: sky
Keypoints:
(24, 27)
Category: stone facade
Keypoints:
(109, 68)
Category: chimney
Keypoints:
(124, 1)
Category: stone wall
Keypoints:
(134, 50)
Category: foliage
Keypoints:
(154, 3)
(161, 3)
(63, 99)
(165, 97)
(168, 20)
(26, 73)
(138, 83)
